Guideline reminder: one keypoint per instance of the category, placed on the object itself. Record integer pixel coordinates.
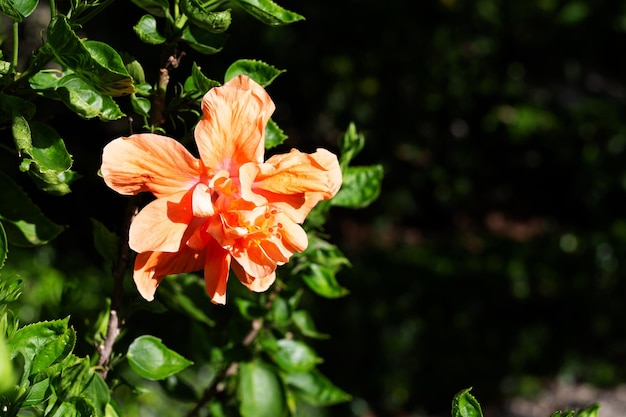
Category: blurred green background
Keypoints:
(494, 255)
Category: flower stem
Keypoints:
(115, 323)
(16, 46)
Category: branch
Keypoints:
(158, 104)
(105, 350)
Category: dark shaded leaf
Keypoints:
(23, 222)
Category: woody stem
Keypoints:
(115, 323)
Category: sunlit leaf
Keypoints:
(10, 290)
(146, 30)
(4, 246)
(17, 10)
(42, 144)
(314, 388)
(95, 62)
(259, 391)
(200, 15)
(465, 405)
(37, 393)
(202, 83)
(274, 135)
(23, 222)
(31, 339)
(151, 359)
(86, 101)
(7, 375)
(259, 71)
(321, 280)
(269, 12)
(55, 350)
(361, 186)
(294, 356)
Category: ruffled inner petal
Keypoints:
(149, 162)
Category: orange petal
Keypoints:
(253, 284)
(232, 129)
(161, 225)
(152, 267)
(294, 237)
(254, 260)
(216, 268)
(148, 162)
(296, 182)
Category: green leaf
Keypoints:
(41, 143)
(591, 411)
(8, 8)
(37, 393)
(156, 7)
(293, 356)
(7, 376)
(465, 405)
(274, 135)
(259, 71)
(350, 144)
(10, 290)
(17, 10)
(31, 339)
(23, 222)
(314, 388)
(321, 279)
(97, 391)
(269, 12)
(141, 105)
(259, 391)
(205, 42)
(11, 105)
(49, 161)
(185, 293)
(303, 321)
(201, 82)
(199, 15)
(54, 351)
(106, 242)
(151, 359)
(146, 30)
(361, 186)
(95, 62)
(4, 246)
(86, 101)
(25, 7)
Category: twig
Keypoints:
(158, 104)
(115, 324)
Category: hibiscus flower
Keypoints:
(227, 209)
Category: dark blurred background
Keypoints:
(494, 257)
